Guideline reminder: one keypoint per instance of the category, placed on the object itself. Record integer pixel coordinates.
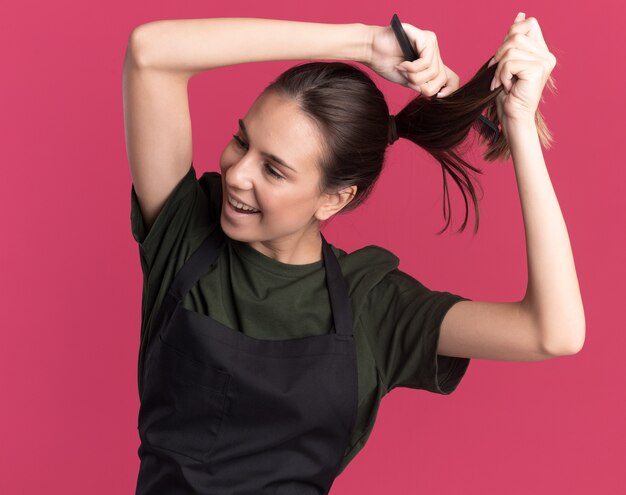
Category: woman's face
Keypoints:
(287, 196)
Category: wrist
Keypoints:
(365, 36)
(520, 134)
(520, 123)
(371, 32)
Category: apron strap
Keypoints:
(339, 298)
(199, 263)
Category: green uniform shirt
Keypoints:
(396, 318)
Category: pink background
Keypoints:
(71, 278)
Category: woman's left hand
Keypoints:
(427, 74)
(524, 67)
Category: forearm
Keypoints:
(553, 295)
(193, 46)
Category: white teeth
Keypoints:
(239, 205)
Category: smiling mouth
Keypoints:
(243, 208)
(241, 211)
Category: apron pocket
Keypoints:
(183, 403)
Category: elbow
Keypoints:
(135, 49)
(569, 346)
(561, 330)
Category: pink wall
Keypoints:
(71, 278)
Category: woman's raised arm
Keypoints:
(193, 46)
(163, 55)
(550, 320)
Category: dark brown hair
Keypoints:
(353, 116)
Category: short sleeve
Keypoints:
(407, 320)
(181, 212)
(190, 213)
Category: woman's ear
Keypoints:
(335, 202)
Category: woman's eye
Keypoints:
(238, 140)
(269, 169)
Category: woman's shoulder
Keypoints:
(365, 268)
(212, 180)
(210, 184)
(370, 257)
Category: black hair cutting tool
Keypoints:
(484, 126)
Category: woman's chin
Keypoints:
(234, 230)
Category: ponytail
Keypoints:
(441, 125)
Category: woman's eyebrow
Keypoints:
(273, 157)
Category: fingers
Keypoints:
(523, 42)
(521, 49)
(528, 27)
(513, 68)
(519, 41)
(431, 86)
(422, 41)
(426, 56)
(453, 83)
(427, 74)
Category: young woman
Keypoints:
(265, 351)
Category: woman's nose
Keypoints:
(241, 172)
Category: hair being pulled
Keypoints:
(353, 116)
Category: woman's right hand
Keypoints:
(427, 75)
